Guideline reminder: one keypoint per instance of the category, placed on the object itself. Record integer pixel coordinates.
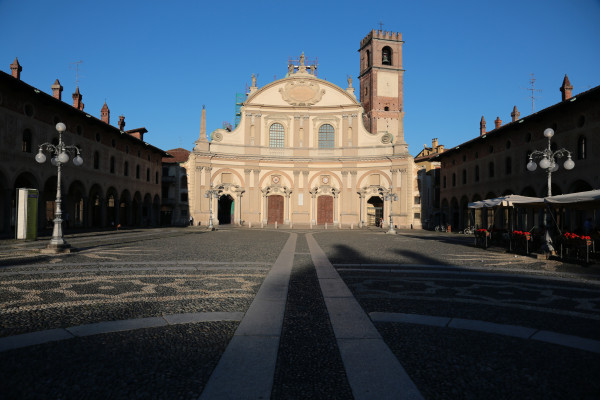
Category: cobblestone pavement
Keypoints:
(506, 327)
(424, 274)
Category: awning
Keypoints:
(507, 201)
(579, 197)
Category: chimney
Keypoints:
(77, 97)
(137, 133)
(105, 113)
(515, 114)
(16, 69)
(121, 123)
(497, 123)
(482, 127)
(57, 90)
(566, 88)
(434, 143)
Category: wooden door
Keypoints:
(275, 209)
(324, 210)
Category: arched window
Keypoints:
(26, 146)
(147, 174)
(137, 171)
(368, 58)
(453, 180)
(156, 177)
(276, 135)
(464, 177)
(491, 170)
(581, 153)
(326, 137)
(112, 165)
(96, 160)
(508, 166)
(444, 182)
(183, 183)
(386, 56)
(477, 173)
(126, 168)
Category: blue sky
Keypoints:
(158, 62)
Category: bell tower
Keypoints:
(381, 84)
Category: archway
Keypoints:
(324, 210)
(74, 205)
(125, 208)
(374, 211)
(136, 209)
(275, 209)
(112, 209)
(225, 210)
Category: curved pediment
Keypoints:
(301, 90)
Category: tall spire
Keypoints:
(203, 125)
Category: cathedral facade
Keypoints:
(308, 152)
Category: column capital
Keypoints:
(247, 171)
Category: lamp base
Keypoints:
(57, 249)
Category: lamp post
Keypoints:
(548, 161)
(391, 197)
(210, 194)
(60, 155)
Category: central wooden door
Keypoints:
(324, 210)
(275, 209)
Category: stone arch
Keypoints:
(464, 213)
(74, 205)
(96, 207)
(147, 210)
(267, 174)
(136, 209)
(579, 185)
(234, 172)
(125, 216)
(444, 212)
(332, 174)
(370, 172)
(112, 207)
(454, 213)
(156, 210)
(225, 209)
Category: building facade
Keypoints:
(495, 163)
(308, 152)
(175, 208)
(428, 175)
(118, 183)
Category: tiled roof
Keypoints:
(179, 156)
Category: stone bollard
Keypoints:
(352, 225)
(291, 225)
(325, 225)
(275, 224)
(250, 225)
(262, 225)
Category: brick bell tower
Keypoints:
(381, 85)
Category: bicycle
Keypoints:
(441, 228)
(469, 230)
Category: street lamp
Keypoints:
(210, 194)
(391, 197)
(548, 161)
(60, 155)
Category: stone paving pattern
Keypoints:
(157, 272)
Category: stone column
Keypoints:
(238, 209)
(265, 192)
(336, 196)
(361, 197)
(313, 206)
(287, 194)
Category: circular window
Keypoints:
(98, 137)
(113, 143)
(508, 144)
(528, 137)
(28, 109)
